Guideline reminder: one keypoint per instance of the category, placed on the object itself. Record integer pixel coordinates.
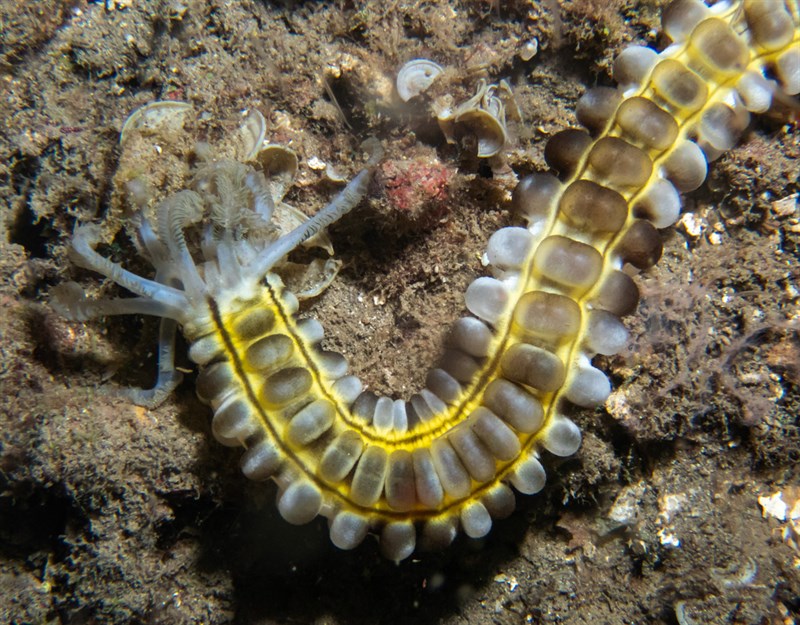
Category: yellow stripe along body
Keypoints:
(689, 80)
(446, 459)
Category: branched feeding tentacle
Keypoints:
(174, 214)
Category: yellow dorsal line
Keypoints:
(425, 432)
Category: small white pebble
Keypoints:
(692, 224)
(668, 539)
(787, 206)
(529, 49)
(316, 163)
(774, 506)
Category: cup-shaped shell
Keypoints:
(152, 116)
(682, 90)
(679, 18)
(565, 150)
(488, 130)
(787, 69)
(251, 134)
(756, 91)
(647, 124)
(279, 165)
(415, 77)
(548, 316)
(536, 197)
(717, 51)
(596, 107)
(568, 262)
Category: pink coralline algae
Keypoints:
(418, 188)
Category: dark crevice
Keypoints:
(33, 519)
(23, 170)
(27, 230)
(31, 233)
(188, 511)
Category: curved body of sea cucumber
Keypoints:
(447, 457)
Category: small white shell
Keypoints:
(415, 77)
(279, 165)
(333, 175)
(150, 116)
(252, 133)
(308, 280)
(529, 49)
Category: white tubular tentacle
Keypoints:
(342, 204)
(263, 202)
(148, 243)
(70, 301)
(84, 255)
(229, 267)
(168, 376)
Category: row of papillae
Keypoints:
(558, 290)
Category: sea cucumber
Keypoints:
(448, 456)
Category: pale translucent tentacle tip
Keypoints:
(152, 397)
(373, 147)
(69, 300)
(83, 254)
